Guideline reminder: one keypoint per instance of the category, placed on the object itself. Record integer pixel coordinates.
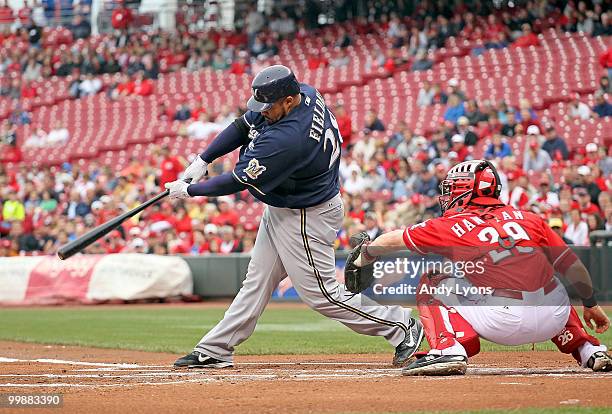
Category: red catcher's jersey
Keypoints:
(479, 236)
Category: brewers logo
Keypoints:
(254, 170)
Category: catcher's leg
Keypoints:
(447, 332)
(451, 338)
(575, 340)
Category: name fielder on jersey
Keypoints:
(318, 117)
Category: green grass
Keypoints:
(178, 329)
(564, 410)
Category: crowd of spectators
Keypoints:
(397, 178)
(388, 181)
(412, 32)
(43, 208)
(389, 177)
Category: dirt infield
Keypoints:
(102, 380)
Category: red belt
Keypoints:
(517, 294)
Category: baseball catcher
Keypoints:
(511, 295)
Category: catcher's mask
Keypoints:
(473, 181)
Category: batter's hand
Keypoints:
(178, 189)
(597, 315)
(195, 171)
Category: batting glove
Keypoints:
(178, 189)
(195, 171)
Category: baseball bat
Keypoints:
(75, 246)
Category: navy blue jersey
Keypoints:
(294, 162)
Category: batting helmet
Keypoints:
(270, 85)
(474, 182)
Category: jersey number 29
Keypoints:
(514, 230)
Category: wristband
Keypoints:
(590, 302)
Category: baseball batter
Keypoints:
(289, 157)
(513, 298)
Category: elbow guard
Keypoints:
(242, 127)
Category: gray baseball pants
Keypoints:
(298, 243)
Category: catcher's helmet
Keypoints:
(270, 85)
(475, 182)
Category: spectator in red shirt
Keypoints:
(389, 64)
(198, 109)
(156, 214)
(200, 244)
(316, 62)
(605, 60)
(175, 243)
(124, 88)
(345, 125)
(592, 154)
(584, 202)
(24, 14)
(390, 160)
(459, 147)
(493, 126)
(182, 221)
(6, 17)
(527, 122)
(227, 215)
(599, 179)
(170, 166)
(494, 28)
(212, 239)
(11, 153)
(517, 197)
(357, 211)
(113, 243)
(28, 90)
(122, 17)
(239, 67)
(527, 39)
(176, 58)
(142, 86)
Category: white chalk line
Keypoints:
(130, 372)
(202, 378)
(135, 366)
(218, 378)
(214, 373)
(66, 362)
(475, 369)
(139, 376)
(312, 363)
(77, 385)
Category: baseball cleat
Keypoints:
(437, 365)
(411, 343)
(600, 362)
(199, 360)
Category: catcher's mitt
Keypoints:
(358, 279)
